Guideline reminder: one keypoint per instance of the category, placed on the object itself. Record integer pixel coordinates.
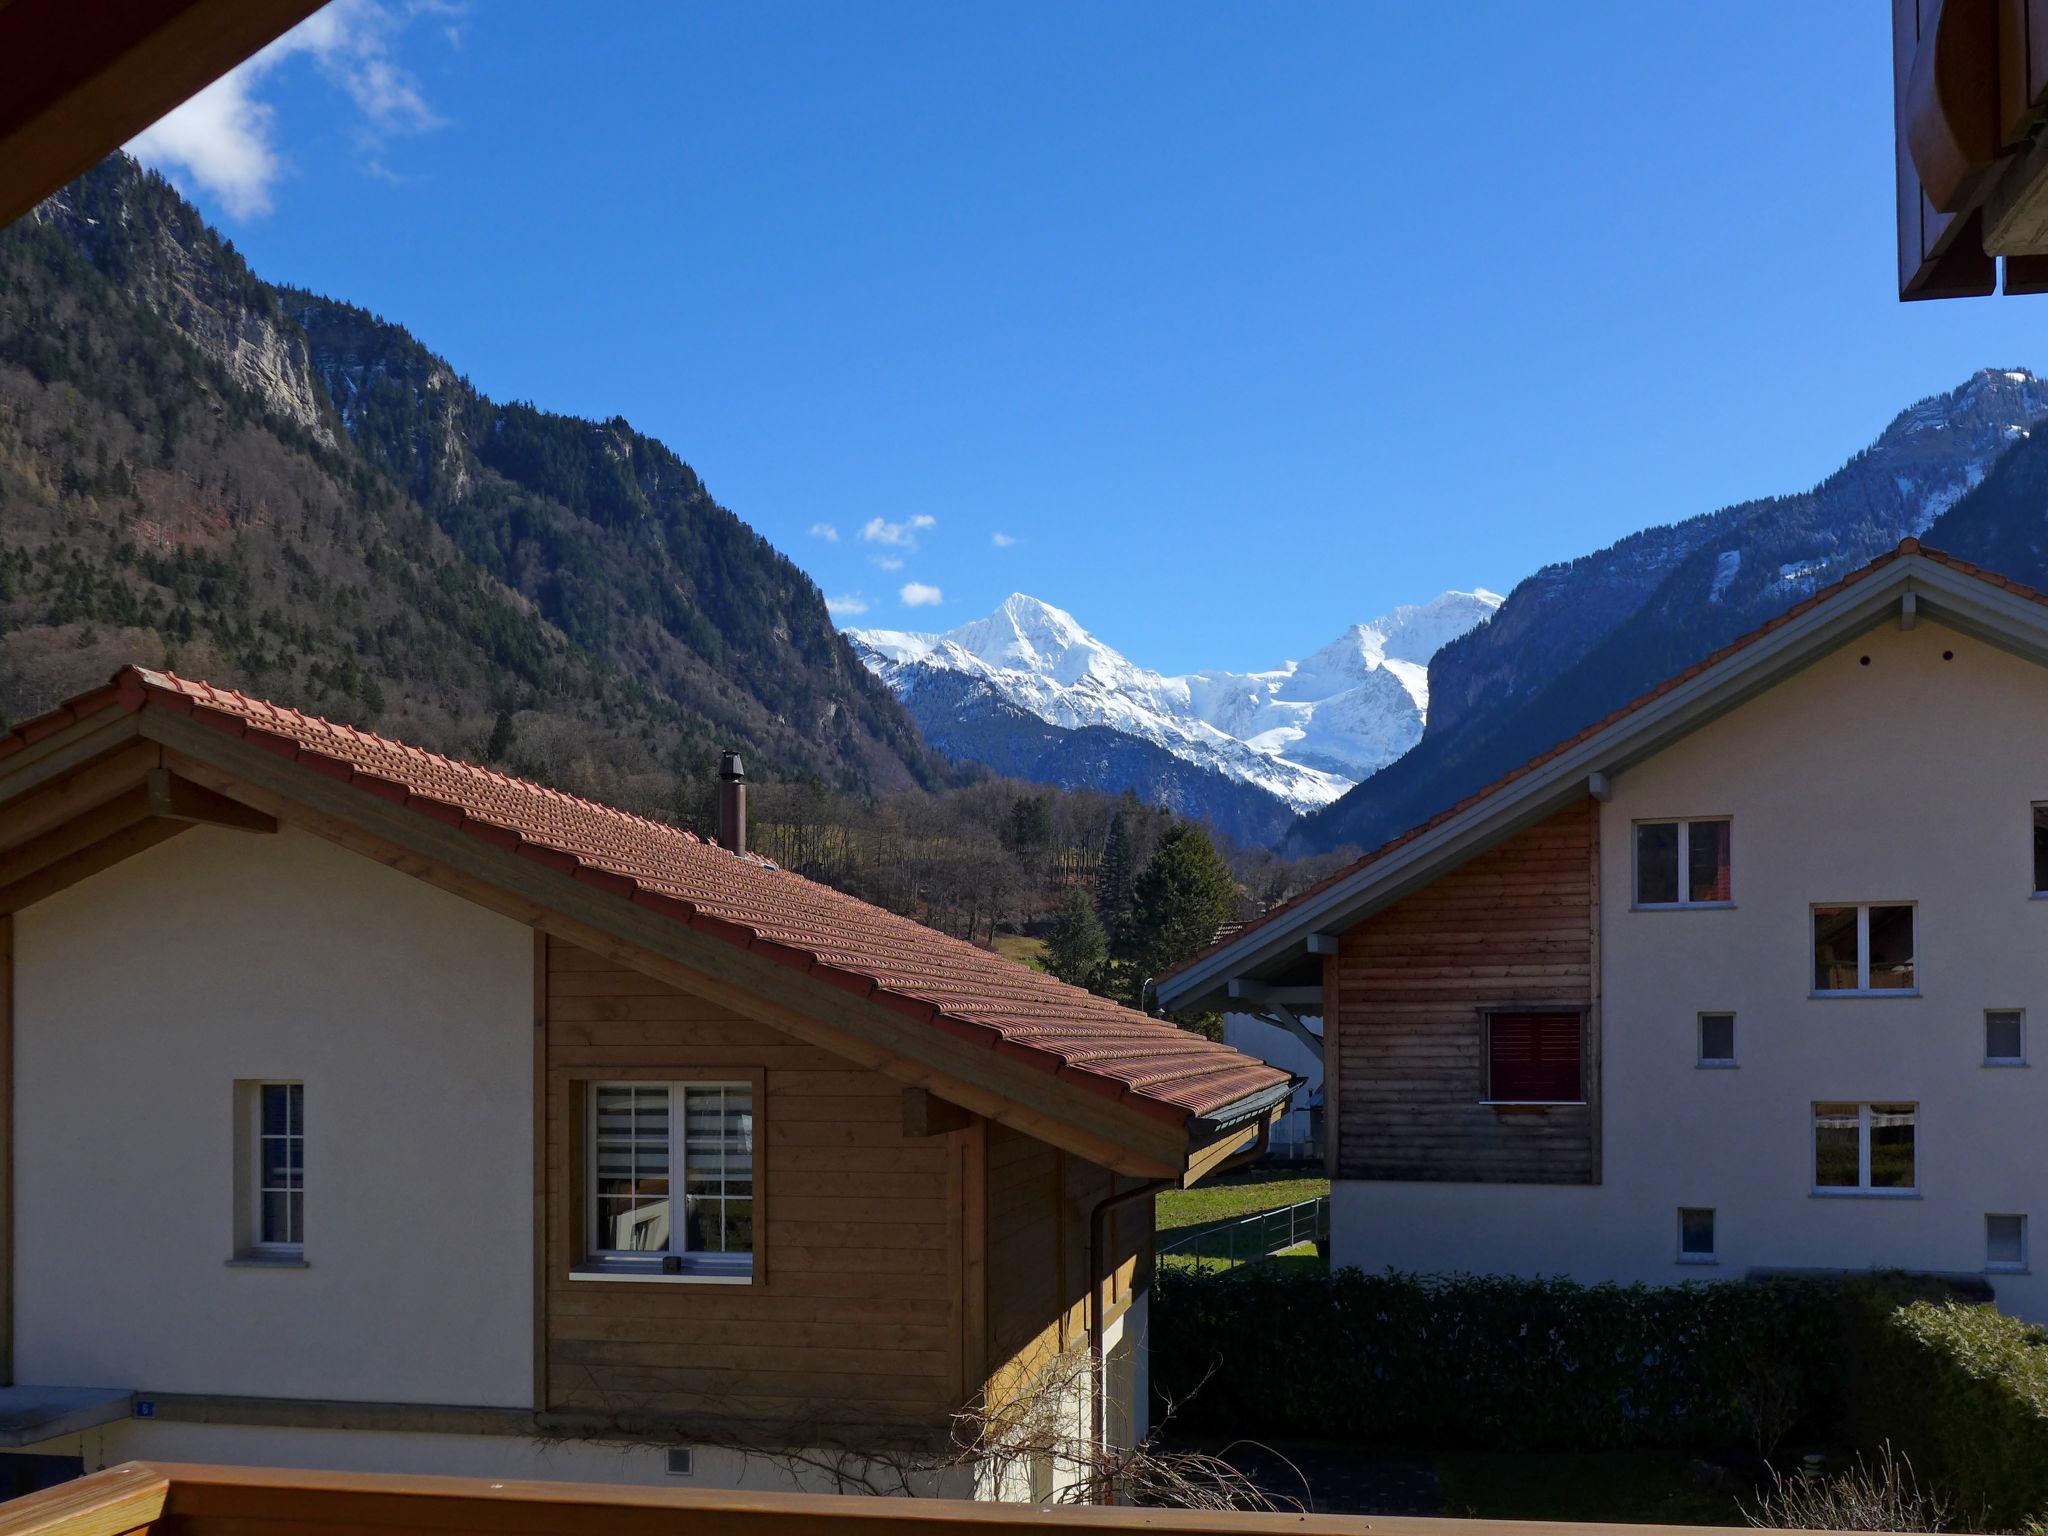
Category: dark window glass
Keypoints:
(2005, 1241)
(281, 1165)
(1891, 948)
(1706, 860)
(1834, 949)
(1837, 1138)
(2041, 847)
(1657, 863)
(1696, 1232)
(1891, 1146)
(1533, 1058)
(1717, 1037)
(2004, 1038)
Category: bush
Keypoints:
(1496, 1361)
(1963, 1391)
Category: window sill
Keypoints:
(1716, 1066)
(1864, 1194)
(1834, 992)
(2007, 1269)
(1682, 906)
(1515, 1104)
(655, 1277)
(1698, 1259)
(2003, 1062)
(268, 1261)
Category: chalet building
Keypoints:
(1747, 976)
(366, 1110)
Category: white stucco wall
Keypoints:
(141, 996)
(1909, 779)
(1281, 1048)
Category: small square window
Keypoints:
(1863, 949)
(1695, 1234)
(1865, 1148)
(2005, 1242)
(1683, 864)
(2005, 1037)
(1717, 1039)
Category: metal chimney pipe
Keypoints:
(732, 802)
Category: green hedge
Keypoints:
(1963, 1391)
(1494, 1361)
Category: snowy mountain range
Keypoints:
(1304, 731)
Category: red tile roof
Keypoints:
(746, 901)
(1908, 546)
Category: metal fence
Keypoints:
(1251, 1238)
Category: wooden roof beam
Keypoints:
(95, 75)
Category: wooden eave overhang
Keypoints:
(85, 78)
(1902, 586)
(85, 774)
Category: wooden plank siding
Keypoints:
(855, 1314)
(1040, 1202)
(1515, 925)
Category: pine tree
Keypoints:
(1184, 895)
(501, 738)
(1114, 879)
(1076, 947)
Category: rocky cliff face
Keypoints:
(153, 244)
(284, 493)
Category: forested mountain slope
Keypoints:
(285, 494)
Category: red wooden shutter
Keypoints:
(1533, 1058)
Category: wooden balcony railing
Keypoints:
(174, 1500)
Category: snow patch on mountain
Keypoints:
(1305, 730)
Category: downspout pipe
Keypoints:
(1098, 1246)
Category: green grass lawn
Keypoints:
(1238, 1194)
(1622, 1487)
(1020, 947)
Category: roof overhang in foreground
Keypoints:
(1901, 587)
(116, 771)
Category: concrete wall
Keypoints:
(1255, 1037)
(1907, 779)
(141, 996)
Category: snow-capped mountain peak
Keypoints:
(1306, 731)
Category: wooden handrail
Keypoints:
(121, 1499)
(249, 1501)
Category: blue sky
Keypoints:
(1238, 323)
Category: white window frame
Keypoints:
(1713, 1253)
(2005, 1061)
(1701, 1059)
(1684, 825)
(259, 1247)
(691, 1266)
(1863, 987)
(2006, 1266)
(1862, 1189)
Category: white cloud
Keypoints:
(903, 535)
(887, 562)
(223, 137)
(916, 594)
(826, 532)
(851, 606)
(1004, 540)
